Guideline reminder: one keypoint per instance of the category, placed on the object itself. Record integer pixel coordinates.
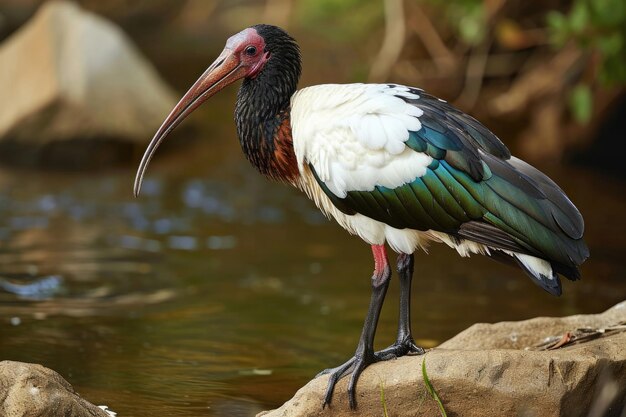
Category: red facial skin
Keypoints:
(243, 57)
(249, 47)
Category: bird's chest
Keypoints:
(268, 145)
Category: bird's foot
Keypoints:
(358, 363)
(354, 366)
(402, 347)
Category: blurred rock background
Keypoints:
(548, 77)
(70, 78)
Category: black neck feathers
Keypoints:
(263, 101)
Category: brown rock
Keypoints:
(491, 370)
(70, 75)
(30, 390)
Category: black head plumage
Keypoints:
(271, 89)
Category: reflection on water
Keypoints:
(219, 293)
(34, 287)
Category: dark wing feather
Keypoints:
(475, 133)
(490, 235)
(565, 213)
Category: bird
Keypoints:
(393, 165)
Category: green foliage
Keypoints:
(598, 26)
(466, 17)
(470, 16)
(341, 20)
(581, 103)
(431, 389)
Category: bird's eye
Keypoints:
(251, 50)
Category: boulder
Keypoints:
(502, 369)
(71, 76)
(30, 390)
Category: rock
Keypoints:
(69, 75)
(30, 390)
(491, 369)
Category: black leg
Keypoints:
(404, 342)
(364, 355)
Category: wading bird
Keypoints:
(392, 165)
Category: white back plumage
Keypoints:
(354, 135)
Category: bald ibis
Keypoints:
(393, 165)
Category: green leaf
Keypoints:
(613, 71)
(556, 21)
(431, 389)
(382, 399)
(472, 26)
(611, 44)
(558, 29)
(608, 12)
(581, 103)
(579, 17)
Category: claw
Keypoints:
(415, 350)
(353, 366)
(398, 349)
(331, 370)
(335, 375)
(359, 366)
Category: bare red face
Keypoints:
(249, 47)
(243, 57)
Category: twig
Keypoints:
(477, 62)
(393, 43)
(579, 335)
(564, 340)
(542, 80)
(437, 49)
(474, 75)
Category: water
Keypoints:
(220, 293)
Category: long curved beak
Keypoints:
(224, 71)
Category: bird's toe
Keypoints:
(335, 375)
(399, 349)
(413, 349)
(335, 369)
(359, 366)
(354, 367)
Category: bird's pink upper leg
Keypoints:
(382, 272)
